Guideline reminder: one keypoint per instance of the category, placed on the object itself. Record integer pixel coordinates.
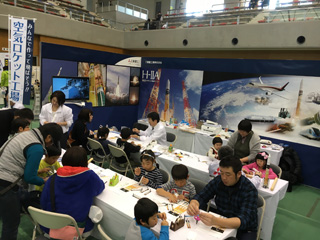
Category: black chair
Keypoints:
(199, 185)
(140, 126)
(171, 138)
(165, 176)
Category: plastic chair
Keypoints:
(261, 209)
(276, 169)
(199, 185)
(103, 235)
(165, 176)
(117, 153)
(95, 149)
(171, 138)
(51, 220)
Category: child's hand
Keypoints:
(245, 170)
(258, 173)
(137, 171)
(46, 179)
(144, 180)
(164, 223)
(173, 198)
(162, 216)
(44, 170)
(181, 197)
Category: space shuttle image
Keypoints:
(166, 114)
(117, 93)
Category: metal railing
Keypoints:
(59, 10)
(124, 7)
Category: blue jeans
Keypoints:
(10, 214)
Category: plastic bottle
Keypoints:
(170, 148)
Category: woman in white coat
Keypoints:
(57, 112)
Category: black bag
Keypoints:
(291, 167)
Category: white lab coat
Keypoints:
(158, 133)
(63, 114)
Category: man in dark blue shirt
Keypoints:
(236, 199)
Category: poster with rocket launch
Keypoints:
(118, 85)
(174, 94)
(97, 81)
(282, 107)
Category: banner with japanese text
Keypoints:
(22, 32)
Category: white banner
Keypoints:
(130, 62)
(18, 58)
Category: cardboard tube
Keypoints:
(274, 184)
(90, 160)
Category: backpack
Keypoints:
(291, 167)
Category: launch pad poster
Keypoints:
(279, 106)
(174, 94)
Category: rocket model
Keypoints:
(118, 89)
(166, 103)
(266, 177)
(299, 100)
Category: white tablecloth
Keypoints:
(118, 211)
(198, 169)
(199, 142)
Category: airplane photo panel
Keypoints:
(284, 107)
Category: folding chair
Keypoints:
(171, 138)
(261, 209)
(165, 176)
(276, 169)
(199, 185)
(117, 152)
(103, 235)
(51, 220)
(95, 149)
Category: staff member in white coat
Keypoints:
(155, 131)
(57, 112)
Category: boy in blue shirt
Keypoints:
(146, 216)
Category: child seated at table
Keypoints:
(259, 166)
(127, 147)
(148, 174)
(102, 136)
(146, 216)
(49, 165)
(216, 145)
(179, 188)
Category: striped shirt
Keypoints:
(154, 176)
(187, 190)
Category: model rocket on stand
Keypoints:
(166, 103)
(266, 177)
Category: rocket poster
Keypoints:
(278, 106)
(174, 94)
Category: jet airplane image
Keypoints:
(269, 90)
